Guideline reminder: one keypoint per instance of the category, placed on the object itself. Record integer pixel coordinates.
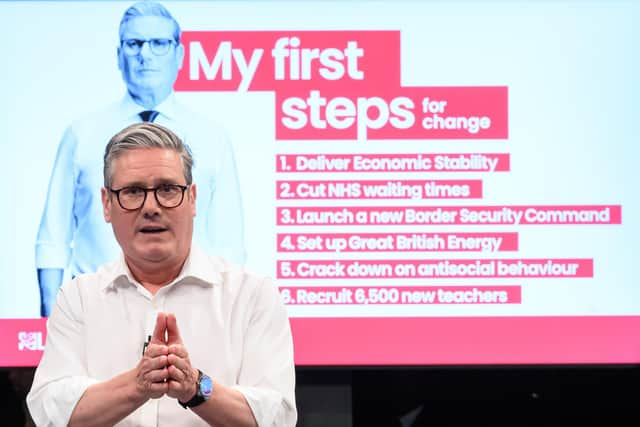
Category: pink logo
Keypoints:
(31, 341)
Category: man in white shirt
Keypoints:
(166, 335)
(71, 235)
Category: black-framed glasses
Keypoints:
(158, 46)
(133, 198)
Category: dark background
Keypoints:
(435, 396)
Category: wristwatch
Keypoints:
(204, 388)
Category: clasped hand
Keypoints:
(165, 367)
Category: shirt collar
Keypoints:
(199, 269)
(167, 108)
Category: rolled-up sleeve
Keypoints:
(61, 377)
(224, 213)
(267, 377)
(57, 224)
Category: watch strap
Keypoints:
(198, 398)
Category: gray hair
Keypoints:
(144, 136)
(149, 8)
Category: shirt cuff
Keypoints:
(51, 256)
(269, 407)
(53, 404)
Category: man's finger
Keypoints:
(173, 334)
(157, 389)
(176, 374)
(178, 349)
(158, 362)
(154, 350)
(157, 375)
(160, 328)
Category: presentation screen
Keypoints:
(428, 183)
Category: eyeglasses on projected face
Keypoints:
(158, 47)
(133, 198)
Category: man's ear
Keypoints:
(180, 55)
(192, 193)
(119, 54)
(106, 203)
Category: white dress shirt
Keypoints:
(231, 321)
(72, 230)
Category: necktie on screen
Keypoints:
(148, 116)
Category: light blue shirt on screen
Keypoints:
(73, 233)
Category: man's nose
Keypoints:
(150, 205)
(145, 50)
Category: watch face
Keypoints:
(206, 386)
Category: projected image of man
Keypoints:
(71, 235)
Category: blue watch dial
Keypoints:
(206, 386)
